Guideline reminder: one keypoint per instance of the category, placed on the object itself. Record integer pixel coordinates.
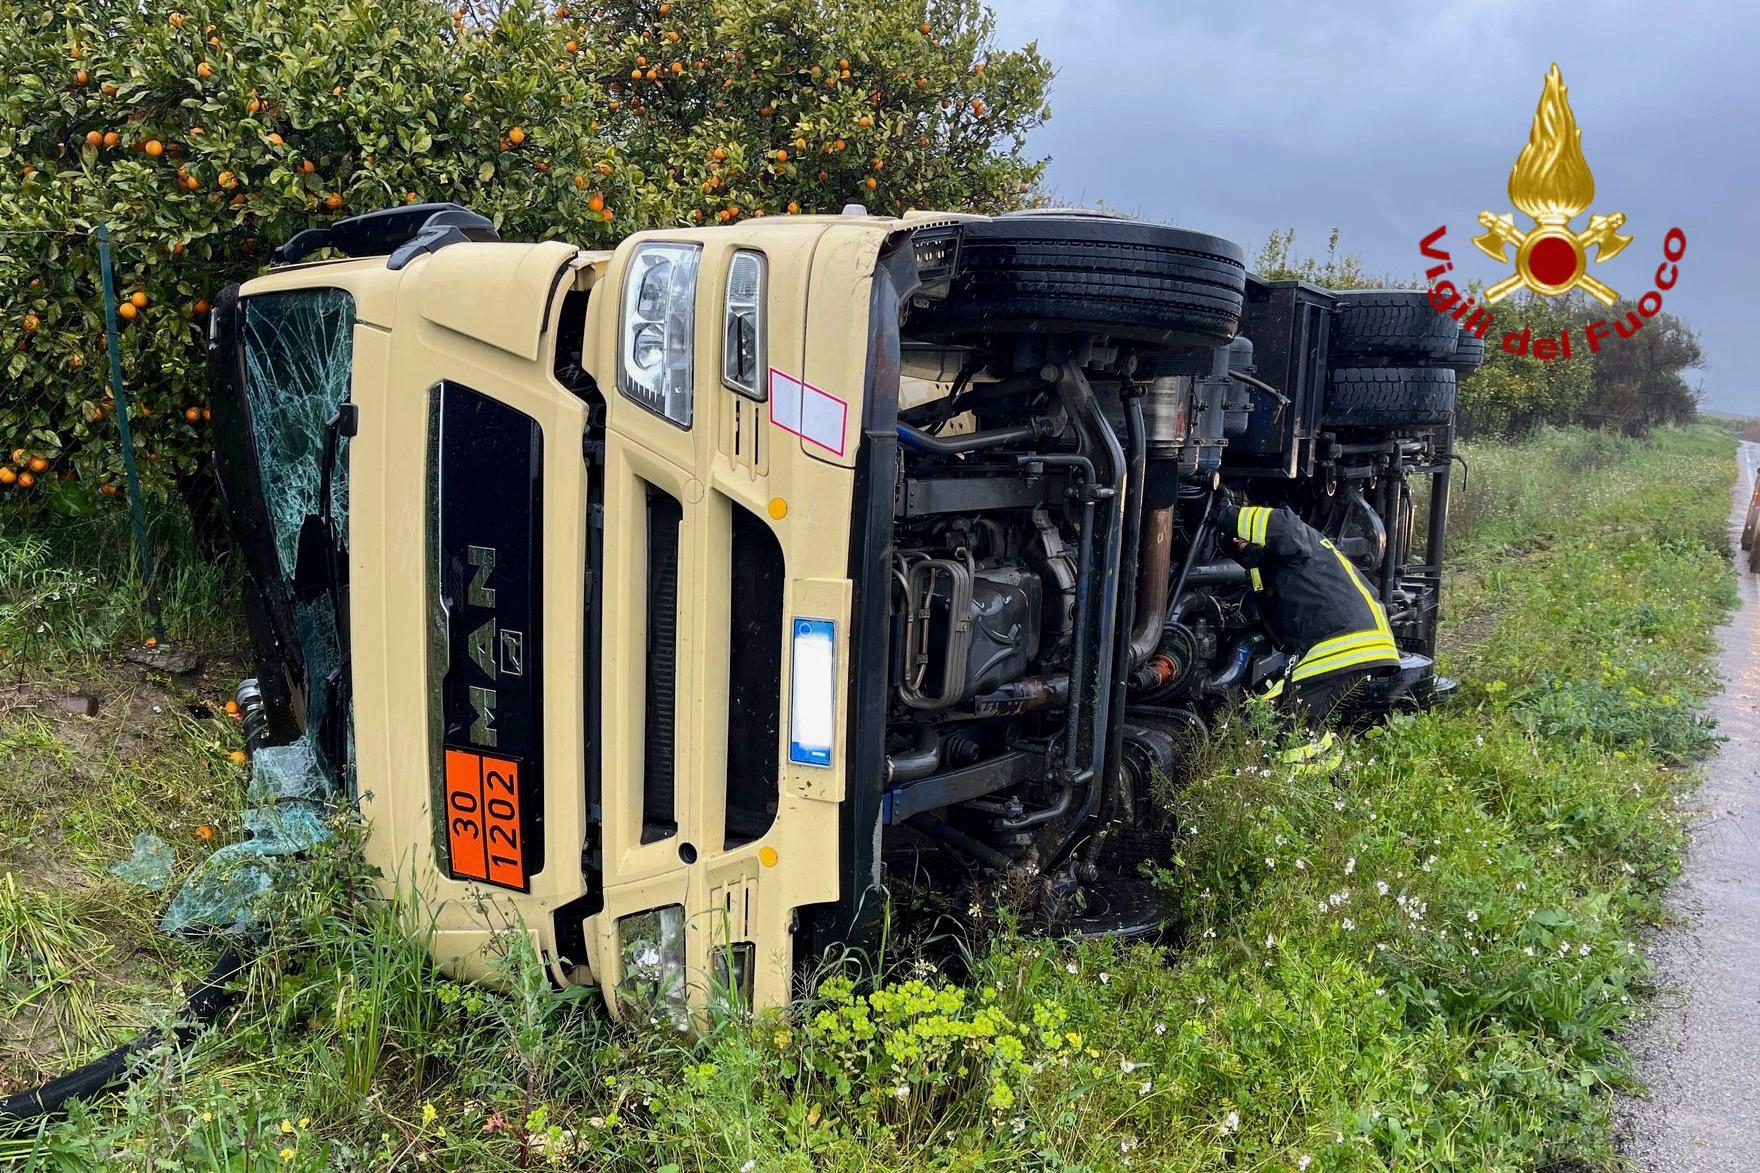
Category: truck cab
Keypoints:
(670, 604)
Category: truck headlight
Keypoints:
(656, 359)
(651, 945)
(742, 338)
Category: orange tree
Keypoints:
(205, 133)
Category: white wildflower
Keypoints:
(1231, 1122)
(1350, 865)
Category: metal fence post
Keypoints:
(117, 391)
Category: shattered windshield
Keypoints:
(299, 353)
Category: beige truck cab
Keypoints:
(637, 610)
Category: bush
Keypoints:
(207, 134)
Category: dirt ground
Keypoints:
(82, 964)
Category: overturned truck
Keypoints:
(665, 604)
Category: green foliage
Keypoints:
(222, 129)
(1420, 962)
(1278, 260)
(1514, 394)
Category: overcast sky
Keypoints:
(1387, 119)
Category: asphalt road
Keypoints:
(1701, 1054)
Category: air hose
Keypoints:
(204, 1004)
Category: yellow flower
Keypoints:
(287, 1155)
(428, 1113)
(207, 1117)
(287, 1126)
(305, 1121)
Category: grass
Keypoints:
(1421, 961)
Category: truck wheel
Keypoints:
(1469, 355)
(1389, 397)
(1087, 273)
(1392, 323)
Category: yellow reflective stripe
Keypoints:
(1247, 523)
(1275, 691)
(1362, 588)
(1264, 522)
(1346, 642)
(1378, 655)
(1258, 583)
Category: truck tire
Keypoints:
(1392, 324)
(1469, 355)
(1087, 273)
(1389, 397)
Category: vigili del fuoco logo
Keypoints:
(1550, 184)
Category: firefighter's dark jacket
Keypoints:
(1313, 598)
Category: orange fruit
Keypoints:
(201, 307)
(204, 70)
(653, 75)
(19, 456)
(665, 9)
(977, 108)
(39, 464)
(516, 136)
(31, 322)
(94, 138)
(794, 207)
(872, 183)
(176, 19)
(923, 28)
(782, 156)
(276, 139)
(108, 89)
(139, 299)
(109, 490)
(192, 414)
(231, 708)
(922, 83)
(236, 757)
(192, 182)
(111, 138)
(207, 414)
(824, 175)
(838, 145)
(879, 164)
(864, 122)
(26, 480)
(154, 148)
(306, 166)
(606, 215)
(81, 77)
(76, 51)
(642, 61)
(253, 105)
(719, 153)
(677, 68)
(127, 311)
(602, 168)
(570, 47)
(580, 181)
(596, 202)
(332, 201)
(226, 179)
(76, 360)
(7, 476)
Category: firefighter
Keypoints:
(1316, 604)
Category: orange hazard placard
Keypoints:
(482, 819)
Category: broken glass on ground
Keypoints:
(151, 863)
